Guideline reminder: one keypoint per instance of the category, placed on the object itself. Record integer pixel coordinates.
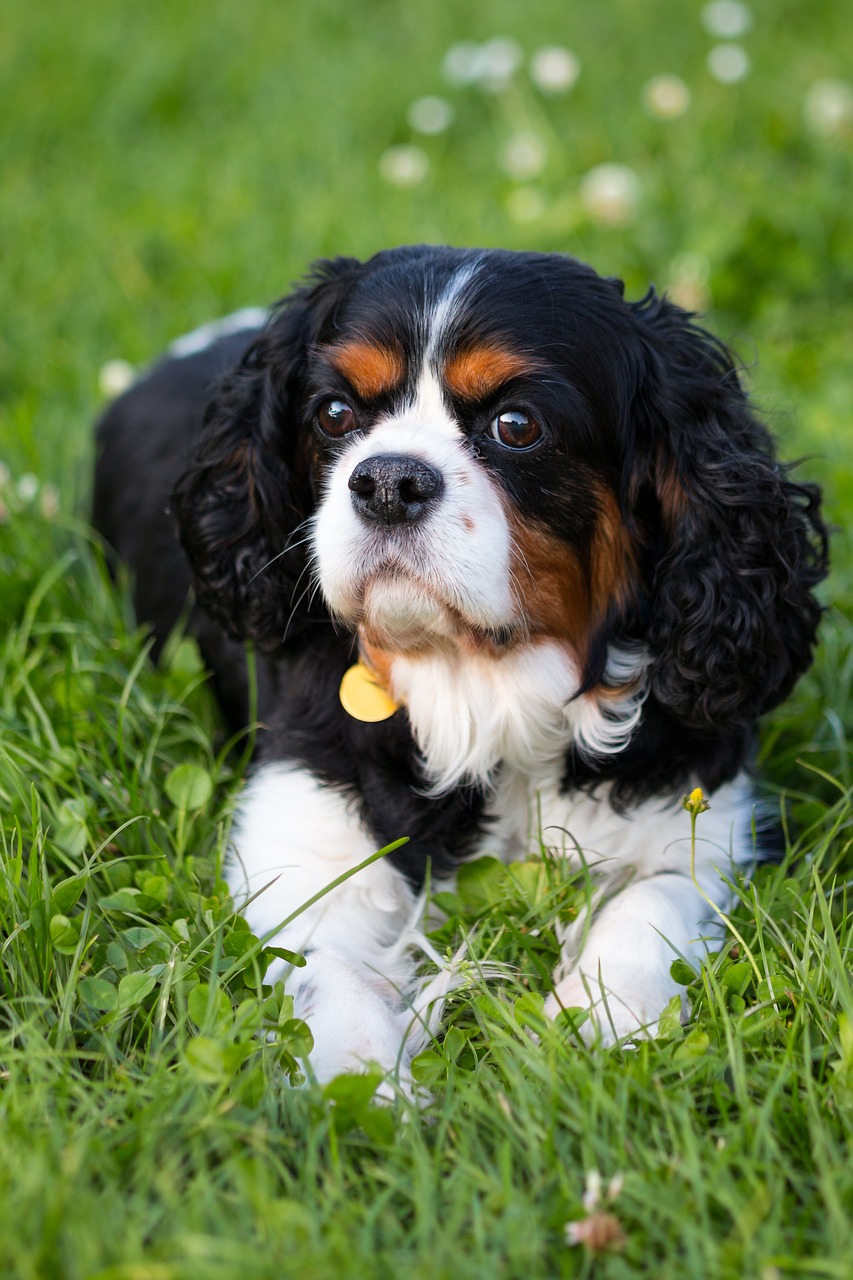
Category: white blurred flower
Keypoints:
(49, 502)
(688, 277)
(728, 63)
(592, 1190)
(600, 1231)
(610, 194)
(404, 166)
(726, 18)
(554, 69)
(828, 107)
(525, 204)
(502, 57)
(464, 63)
(27, 486)
(115, 377)
(524, 156)
(690, 296)
(490, 65)
(666, 97)
(430, 115)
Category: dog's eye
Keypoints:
(336, 418)
(515, 430)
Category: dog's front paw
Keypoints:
(355, 1022)
(619, 1007)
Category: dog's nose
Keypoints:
(393, 489)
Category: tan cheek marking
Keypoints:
(478, 371)
(613, 568)
(369, 369)
(553, 589)
(563, 597)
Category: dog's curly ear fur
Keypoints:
(243, 503)
(732, 546)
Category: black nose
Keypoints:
(392, 489)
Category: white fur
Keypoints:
(440, 316)
(203, 337)
(293, 837)
(471, 712)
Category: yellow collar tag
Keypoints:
(363, 698)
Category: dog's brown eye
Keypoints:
(515, 429)
(336, 418)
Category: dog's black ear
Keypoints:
(243, 504)
(732, 546)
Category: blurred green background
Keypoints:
(167, 161)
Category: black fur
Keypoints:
(635, 396)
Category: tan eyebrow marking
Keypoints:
(370, 369)
(477, 371)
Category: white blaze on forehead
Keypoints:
(427, 411)
(439, 317)
(428, 405)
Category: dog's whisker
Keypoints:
(310, 587)
(290, 545)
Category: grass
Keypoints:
(172, 161)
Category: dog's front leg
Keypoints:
(293, 837)
(620, 971)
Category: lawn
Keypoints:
(165, 163)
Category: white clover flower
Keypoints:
(430, 115)
(828, 107)
(464, 63)
(525, 204)
(524, 156)
(27, 486)
(666, 97)
(502, 57)
(600, 1231)
(610, 194)
(554, 69)
(115, 377)
(728, 63)
(726, 19)
(592, 1190)
(404, 166)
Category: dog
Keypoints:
(519, 563)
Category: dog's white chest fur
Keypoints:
(469, 714)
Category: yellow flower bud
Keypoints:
(695, 803)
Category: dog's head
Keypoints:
(479, 450)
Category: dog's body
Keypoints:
(547, 523)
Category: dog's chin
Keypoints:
(401, 615)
